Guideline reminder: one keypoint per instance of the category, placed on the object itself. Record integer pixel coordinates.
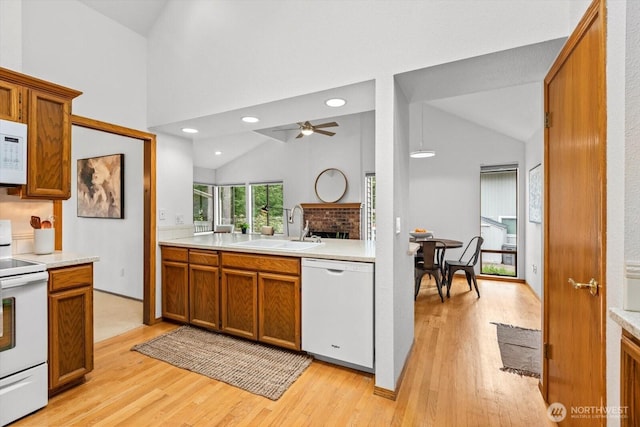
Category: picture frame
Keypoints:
(535, 194)
(101, 187)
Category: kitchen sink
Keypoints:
(283, 245)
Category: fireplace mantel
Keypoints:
(331, 205)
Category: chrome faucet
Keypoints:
(305, 230)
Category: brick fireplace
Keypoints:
(333, 218)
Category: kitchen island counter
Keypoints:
(337, 249)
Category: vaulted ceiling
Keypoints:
(501, 91)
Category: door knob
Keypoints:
(592, 286)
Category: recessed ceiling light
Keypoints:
(250, 119)
(189, 130)
(335, 102)
(217, 153)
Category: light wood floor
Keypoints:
(452, 379)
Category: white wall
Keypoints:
(248, 52)
(298, 162)
(444, 190)
(623, 176)
(118, 242)
(204, 175)
(174, 163)
(534, 153)
(11, 34)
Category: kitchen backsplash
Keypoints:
(19, 211)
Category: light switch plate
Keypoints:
(398, 225)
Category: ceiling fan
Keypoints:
(306, 128)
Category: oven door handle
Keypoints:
(25, 279)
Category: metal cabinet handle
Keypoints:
(592, 286)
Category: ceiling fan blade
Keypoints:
(300, 135)
(326, 125)
(324, 132)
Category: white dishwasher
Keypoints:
(337, 312)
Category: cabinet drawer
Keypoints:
(203, 257)
(275, 264)
(70, 277)
(175, 254)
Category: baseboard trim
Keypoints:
(393, 394)
(500, 278)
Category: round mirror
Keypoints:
(331, 185)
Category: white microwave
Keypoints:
(13, 153)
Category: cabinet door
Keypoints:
(49, 147)
(279, 310)
(12, 98)
(239, 303)
(175, 291)
(630, 380)
(204, 291)
(70, 335)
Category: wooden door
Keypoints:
(575, 221)
(70, 335)
(279, 310)
(239, 308)
(204, 300)
(49, 146)
(11, 102)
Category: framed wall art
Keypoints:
(535, 194)
(101, 187)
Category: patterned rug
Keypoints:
(519, 349)
(259, 369)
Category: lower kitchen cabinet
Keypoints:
(630, 379)
(261, 298)
(279, 310)
(190, 286)
(70, 325)
(240, 302)
(204, 289)
(175, 284)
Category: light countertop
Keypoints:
(58, 258)
(337, 249)
(629, 320)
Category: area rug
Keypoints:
(259, 369)
(519, 349)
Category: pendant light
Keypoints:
(422, 153)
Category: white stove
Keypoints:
(23, 333)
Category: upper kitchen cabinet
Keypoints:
(46, 109)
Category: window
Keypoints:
(232, 205)
(499, 219)
(267, 206)
(370, 205)
(202, 207)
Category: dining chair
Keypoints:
(430, 262)
(466, 263)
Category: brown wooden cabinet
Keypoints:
(630, 379)
(191, 286)
(11, 96)
(46, 109)
(204, 289)
(175, 284)
(240, 302)
(261, 298)
(70, 325)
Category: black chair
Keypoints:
(430, 261)
(465, 264)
